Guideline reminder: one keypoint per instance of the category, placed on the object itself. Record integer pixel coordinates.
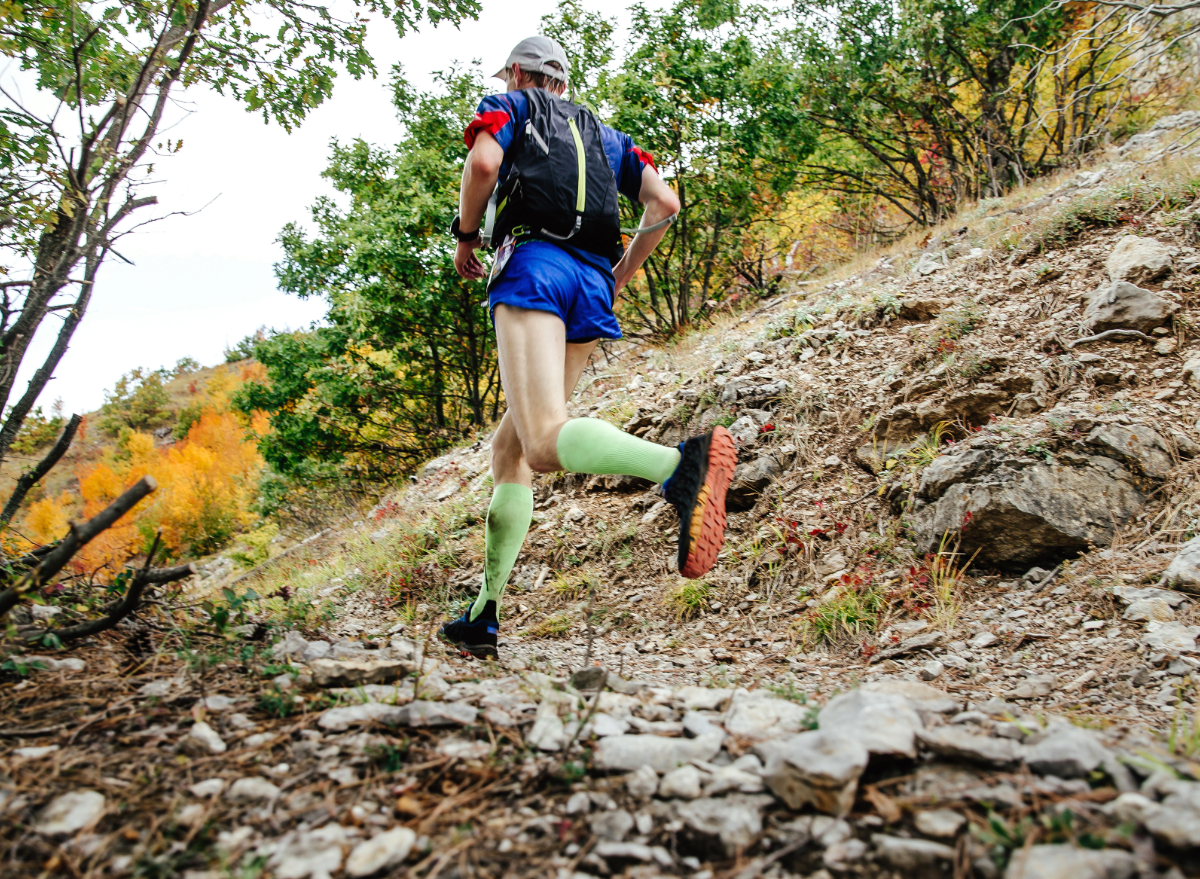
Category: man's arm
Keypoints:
(661, 202)
(479, 179)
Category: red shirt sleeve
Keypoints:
(490, 121)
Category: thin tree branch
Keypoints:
(30, 479)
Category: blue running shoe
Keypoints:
(474, 637)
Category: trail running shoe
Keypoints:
(697, 489)
(474, 638)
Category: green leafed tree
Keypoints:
(80, 135)
(405, 363)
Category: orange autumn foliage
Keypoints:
(206, 485)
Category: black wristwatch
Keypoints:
(457, 232)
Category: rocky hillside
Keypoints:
(953, 631)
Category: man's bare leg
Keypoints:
(512, 497)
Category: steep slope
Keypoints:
(955, 516)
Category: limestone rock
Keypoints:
(642, 783)
(942, 823)
(758, 715)
(293, 645)
(1035, 687)
(948, 470)
(956, 743)
(1124, 306)
(548, 732)
(750, 481)
(1138, 260)
(923, 697)
(920, 308)
(1064, 751)
(1184, 571)
(251, 790)
(813, 768)
(614, 825)
(353, 672)
(381, 852)
(1019, 514)
(208, 788)
(1068, 862)
(874, 456)
(682, 783)
(1171, 637)
(883, 723)
(629, 752)
(723, 825)
(203, 739)
(1137, 445)
(70, 813)
(912, 857)
(341, 719)
(1176, 821)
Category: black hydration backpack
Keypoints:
(559, 186)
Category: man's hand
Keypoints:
(467, 264)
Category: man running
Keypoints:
(551, 296)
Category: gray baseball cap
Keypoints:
(533, 53)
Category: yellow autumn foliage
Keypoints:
(206, 485)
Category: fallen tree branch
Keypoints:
(30, 479)
(1111, 334)
(77, 538)
(128, 604)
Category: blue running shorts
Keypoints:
(545, 277)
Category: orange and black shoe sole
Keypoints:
(706, 528)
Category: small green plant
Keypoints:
(724, 420)
(20, 667)
(787, 690)
(230, 612)
(922, 454)
(389, 758)
(277, 702)
(689, 598)
(1037, 449)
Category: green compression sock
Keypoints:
(589, 445)
(508, 520)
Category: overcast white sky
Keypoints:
(203, 282)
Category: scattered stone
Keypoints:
(591, 678)
(813, 768)
(203, 739)
(293, 645)
(316, 650)
(923, 697)
(1136, 445)
(642, 782)
(750, 481)
(548, 732)
(1149, 610)
(630, 752)
(1138, 260)
(682, 783)
(354, 672)
(1184, 571)
(932, 670)
(923, 641)
(1176, 821)
(70, 812)
(614, 825)
(1035, 687)
(1068, 862)
(208, 788)
(756, 714)
(915, 856)
(381, 852)
(954, 742)
(1124, 306)
(34, 753)
(341, 719)
(1171, 637)
(1064, 751)
(942, 823)
(983, 639)
(726, 824)
(251, 789)
(883, 723)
